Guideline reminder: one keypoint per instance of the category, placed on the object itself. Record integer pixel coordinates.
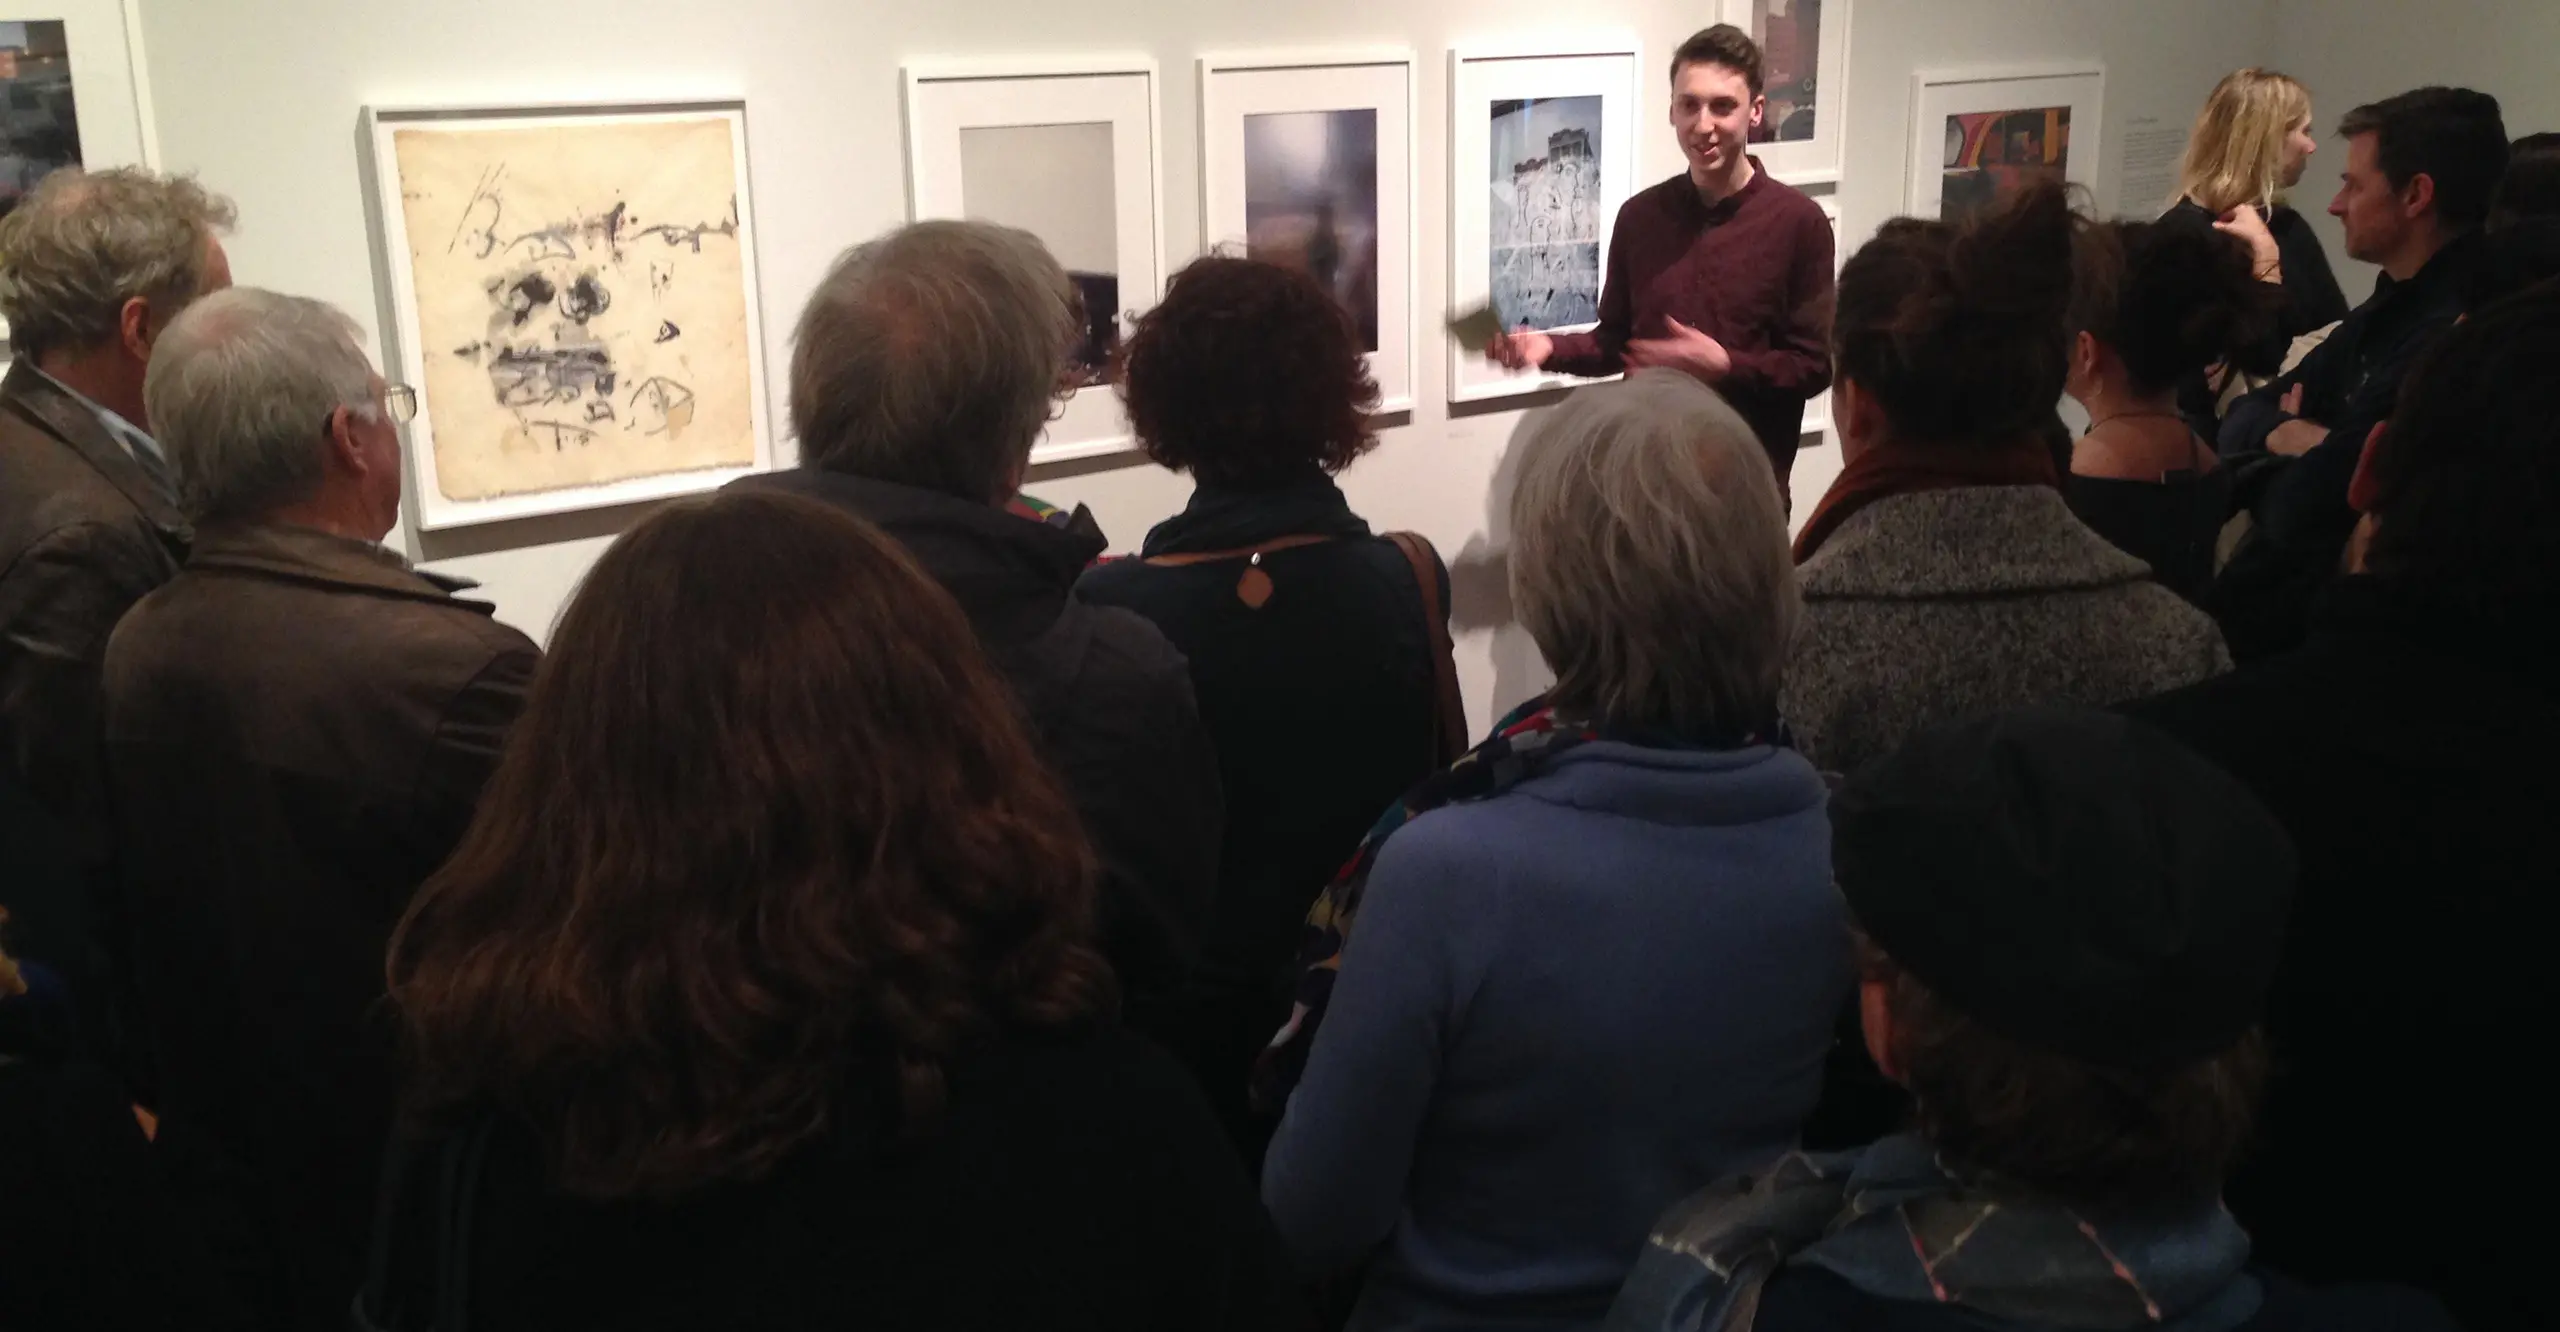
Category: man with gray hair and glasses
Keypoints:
(92, 269)
(297, 726)
(924, 369)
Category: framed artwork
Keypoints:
(1804, 54)
(1976, 137)
(574, 298)
(1308, 160)
(1542, 153)
(1071, 152)
(1817, 413)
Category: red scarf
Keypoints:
(1890, 469)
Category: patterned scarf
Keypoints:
(1524, 744)
(1893, 1223)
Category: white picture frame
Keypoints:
(1237, 89)
(949, 101)
(406, 343)
(1480, 79)
(2001, 102)
(1817, 411)
(1815, 158)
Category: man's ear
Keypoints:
(1875, 1018)
(2360, 495)
(133, 328)
(2418, 197)
(1759, 110)
(346, 452)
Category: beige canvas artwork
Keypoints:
(581, 296)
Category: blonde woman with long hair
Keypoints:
(2251, 143)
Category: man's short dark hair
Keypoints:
(1723, 44)
(2531, 187)
(2453, 136)
(2465, 484)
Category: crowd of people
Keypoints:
(2077, 883)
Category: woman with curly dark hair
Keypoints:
(761, 991)
(1318, 650)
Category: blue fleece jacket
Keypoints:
(1564, 1008)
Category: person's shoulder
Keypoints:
(1124, 651)
(2290, 1306)
(1657, 198)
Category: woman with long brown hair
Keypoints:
(761, 992)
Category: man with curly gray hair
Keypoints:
(92, 269)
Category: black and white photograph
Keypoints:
(1056, 182)
(39, 120)
(1311, 202)
(1545, 221)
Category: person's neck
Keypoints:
(339, 517)
(104, 375)
(2417, 253)
(1713, 190)
(2116, 401)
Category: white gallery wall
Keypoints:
(2355, 51)
(261, 98)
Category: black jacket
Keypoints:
(1321, 705)
(101, 1228)
(298, 728)
(1809, 1299)
(1109, 698)
(84, 533)
(1071, 1181)
(2409, 755)
(2349, 383)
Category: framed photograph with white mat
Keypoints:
(1306, 159)
(1817, 411)
(1542, 153)
(1071, 151)
(1804, 59)
(573, 292)
(1977, 136)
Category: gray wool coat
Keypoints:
(1948, 604)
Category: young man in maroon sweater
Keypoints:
(1719, 272)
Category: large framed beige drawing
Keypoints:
(574, 297)
(1070, 150)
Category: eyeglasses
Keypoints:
(399, 402)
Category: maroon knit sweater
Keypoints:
(1754, 272)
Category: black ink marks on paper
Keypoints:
(667, 331)
(480, 216)
(560, 435)
(659, 280)
(599, 409)
(585, 299)
(518, 300)
(542, 376)
(661, 406)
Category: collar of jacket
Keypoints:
(75, 425)
(2374, 613)
(309, 555)
(2438, 284)
(1220, 518)
(1011, 574)
(1969, 541)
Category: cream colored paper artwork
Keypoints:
(582, 302)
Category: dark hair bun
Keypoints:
(2187, 296)
(1959, 331)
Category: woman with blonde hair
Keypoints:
(2251, 143)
